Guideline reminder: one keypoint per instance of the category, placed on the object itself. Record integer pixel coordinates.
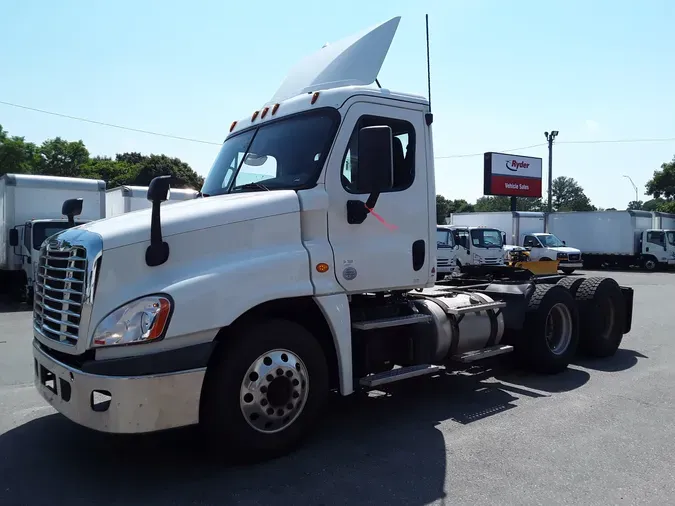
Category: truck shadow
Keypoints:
(622, 360)
(386, 447)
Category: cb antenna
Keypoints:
(429, 115)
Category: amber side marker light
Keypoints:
(255, 115)
(234, 124)
(315, 97)
(322, 267)
(264, 112)
(274, 109)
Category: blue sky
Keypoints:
(502, 74)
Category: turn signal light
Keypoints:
(322, 267)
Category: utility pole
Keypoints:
(550, 137)
(634, 187)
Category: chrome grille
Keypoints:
(443, 262)
(60, 289)
(574, 257)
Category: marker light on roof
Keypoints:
(274, 109)
(234, 124)
(315, 97)
(255, 115)
(264, 112)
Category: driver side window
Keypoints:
(403, 152)
(530, 242)
(27, 232)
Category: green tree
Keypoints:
(16, 155)
(662, 184)
(568, 195)
(113, 172)
(182, 176)
(442, 209)
(635, 205)
(58, 157)
(653, 204)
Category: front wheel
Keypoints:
(649, 264)
(263, 390)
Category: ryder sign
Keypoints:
(511, 175)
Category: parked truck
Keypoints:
(446, 252)
(125, 199)
(30, 212)
(242, 309)
(616, 238)
(663, 221)
(526, 229)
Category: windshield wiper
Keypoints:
(251, 186)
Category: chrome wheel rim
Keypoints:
(274, 391)
(558, 331)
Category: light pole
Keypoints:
(634, 187)
(549, 138)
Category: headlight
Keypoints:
(139, 321)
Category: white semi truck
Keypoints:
(526, 229)
(126, 198)
(617, 238)
(241, 310)
(30, 211)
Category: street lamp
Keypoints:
(634, 187)
(549, 138)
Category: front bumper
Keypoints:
(119, 404)
(570, 265)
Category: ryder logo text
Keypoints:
(514, 165)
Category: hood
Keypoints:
(566, 249)
(355, 60)
(189, 215)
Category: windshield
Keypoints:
(42, 231)
(671, 238)
(444, 239)
(486, 238)
(284, 154)
(550, 241)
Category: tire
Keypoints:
(602, 316)
(572, 284)
(235, 404)
(649, 264)
(440, 277)
(567, 270)
(549, 304)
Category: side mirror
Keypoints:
(72, 208)
(13, 237)
(159, 189)
(375, 172)
(564, 243)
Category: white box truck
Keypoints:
(663, 221)
(446, 253)
(30, 212)
(526, 229)
(242, 310)
(616, 238)
(125, 199)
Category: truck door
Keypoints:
(463, 241)
(400, 252)
(530, 241)
(26, 252)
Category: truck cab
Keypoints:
(657, 248)
(543, 246)
(307, 266)
(478, 245)
(446, 252)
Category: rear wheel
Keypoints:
(551, 331)
(602, 316)
(572, 284)
(264, 390)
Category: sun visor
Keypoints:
(355, 60)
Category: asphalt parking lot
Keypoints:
(603, 432)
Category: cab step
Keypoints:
(395, 321)
(473, 356)
(399, 374)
